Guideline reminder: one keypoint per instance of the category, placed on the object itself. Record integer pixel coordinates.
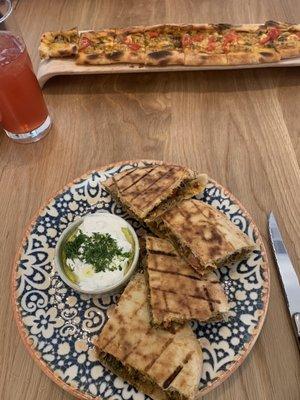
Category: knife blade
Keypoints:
(288, 276)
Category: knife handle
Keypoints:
(296, 318)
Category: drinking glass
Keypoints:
(23, 112)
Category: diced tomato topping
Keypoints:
(186, 39)
(197, 38)
(230, 37)
(134, 46)
(272, 34)
(84, 42)
(153, 34)
(211, 46)
(211, 43)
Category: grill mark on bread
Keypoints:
(196, 278)
(110, 340)
(123, 176)
(171, 378)
(136, 181)
(127, 173)
(135, 346)
(183, 213)
(166, 301)
(120, 329)
(210, 301)
(177, 371)
(152, 184)
(162, 253)
(152, 362)
(208, 298)
(187, 357)
(187, 305)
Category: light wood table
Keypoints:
(241, 127)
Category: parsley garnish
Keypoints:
(99, 250)
(72, 246)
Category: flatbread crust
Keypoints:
(193, 57)
(253, 57)
(178, 44)
(177, 293)
(132, 41)
(288, 43)
(98, 48)
(142, 190)
(164, 364)
(163, 45)
(59, 44)
(284, 38)
(204, 236)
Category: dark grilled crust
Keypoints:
(132, 376)
(165, 297)
(188, 188)
(196, 231)
(143, 189)
(133, 349)
(140, 381)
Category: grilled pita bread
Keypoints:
(160, 363)
(204, 236)
(151, 190)
(177, 293)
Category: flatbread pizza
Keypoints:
(59, 44)
(178, 44)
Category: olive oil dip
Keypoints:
(99, 252)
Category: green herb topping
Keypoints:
(99, 250)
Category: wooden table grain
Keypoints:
(241, 127)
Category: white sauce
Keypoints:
(87, 278)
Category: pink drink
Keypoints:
(22, 107)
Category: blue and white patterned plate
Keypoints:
(58, 325)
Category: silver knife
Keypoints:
(289, 278)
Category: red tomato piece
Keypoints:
(272, 34)
(230, 37)
(134, 46)
(197, 38)
(84, 42)
(153, 34)
(211, 46)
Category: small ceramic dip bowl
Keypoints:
(97, 254)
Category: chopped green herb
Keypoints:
(99, 250)
(73, 245)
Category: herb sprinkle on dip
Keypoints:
(99, 252)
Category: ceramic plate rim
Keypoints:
(240, 357)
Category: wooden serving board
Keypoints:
(50, 68)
